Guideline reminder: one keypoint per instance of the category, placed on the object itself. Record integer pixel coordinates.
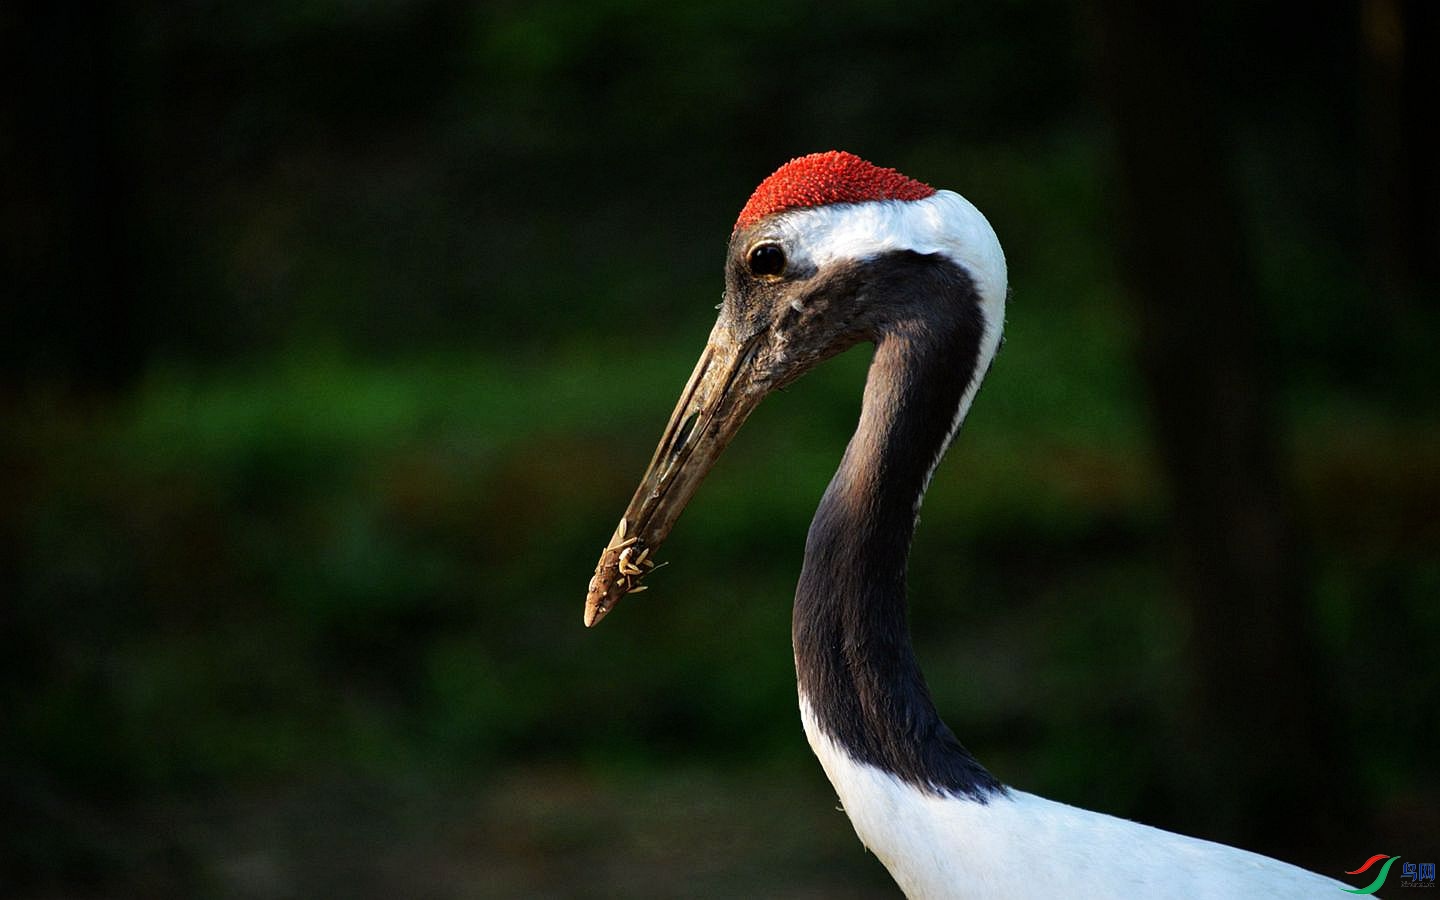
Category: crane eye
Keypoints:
(767, 260)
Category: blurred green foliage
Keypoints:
(410, 287)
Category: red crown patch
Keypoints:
(824, 178)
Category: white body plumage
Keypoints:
(1022, 846)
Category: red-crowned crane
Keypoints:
(829, 251)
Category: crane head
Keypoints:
(829, 251)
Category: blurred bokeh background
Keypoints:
(335, 335)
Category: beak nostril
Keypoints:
(683, 434)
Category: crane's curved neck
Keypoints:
(856, 669)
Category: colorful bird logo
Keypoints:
(1379, 879)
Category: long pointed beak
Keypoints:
(716, 401)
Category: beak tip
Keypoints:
(593, 614)
(597, 598)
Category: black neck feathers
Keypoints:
(851, 633)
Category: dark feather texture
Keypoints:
(853, 652)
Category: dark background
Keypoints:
(335, 335)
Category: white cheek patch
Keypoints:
(944, 222)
